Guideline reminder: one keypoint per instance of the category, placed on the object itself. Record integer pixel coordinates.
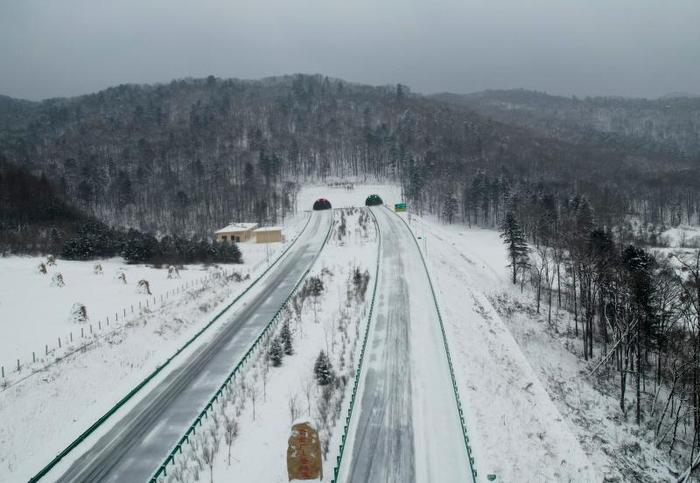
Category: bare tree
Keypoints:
(230, 433)
(254, 394)
(293, 407)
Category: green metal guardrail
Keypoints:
(192, 429)
(158, 369)
(341, 449)
(447, 352)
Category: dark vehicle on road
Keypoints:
(373, 200)
(322, 204)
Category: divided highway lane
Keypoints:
(407, 427)
(138, 443)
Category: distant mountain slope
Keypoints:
(195, 154)
(669, 125)
(33, 217)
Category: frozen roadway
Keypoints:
(137, 444)
(406, 427)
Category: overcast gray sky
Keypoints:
(585, 47)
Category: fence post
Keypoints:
(82, 332)
(47, 349)
(33, 356)
(2, 371)
(71, 336)
(17, 365)
(59, 342)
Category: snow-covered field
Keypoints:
(532, 412)
(35, 312)
(43, 412)
(682, 237)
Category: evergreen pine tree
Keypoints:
(275, 352)
(449, 207)
(323, 370)
(514, 239)
(286, 338)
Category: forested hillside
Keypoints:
(669, 125)
(191, 155)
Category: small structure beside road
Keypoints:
(236, 232)
(268, 234)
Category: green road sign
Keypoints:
(399, 207)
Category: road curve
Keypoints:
(137, 444)
(407, 428)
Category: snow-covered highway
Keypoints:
(139, 442)
(406, 427)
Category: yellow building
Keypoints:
(236, 232)
(268, 234)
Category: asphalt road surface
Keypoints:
(407, 427)
(137, 445)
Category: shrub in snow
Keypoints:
(315, 286)
(143, 287)
(57, 280)
(97, 269)
(121, 276)
(78, 313)
(323, 370)
(275, 353)
(51, 261)
(286, 338)
(42, 268)
(360, 281)
(173, 272)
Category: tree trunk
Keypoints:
(639, 373)
(573, 272)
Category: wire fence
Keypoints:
(358, 372)
(91, 332)
(162, 471)
(158, 369)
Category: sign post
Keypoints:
(399, 207)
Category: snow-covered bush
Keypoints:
(143, 287)
(97, 269)
(173, 272)
(121, 276)
(323, 370)
(51, 261)
(78, 313)
(286, 338)
(42, 268)
(57, 280)
(275, 353)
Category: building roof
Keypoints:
(237, 228)
(269, 228)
